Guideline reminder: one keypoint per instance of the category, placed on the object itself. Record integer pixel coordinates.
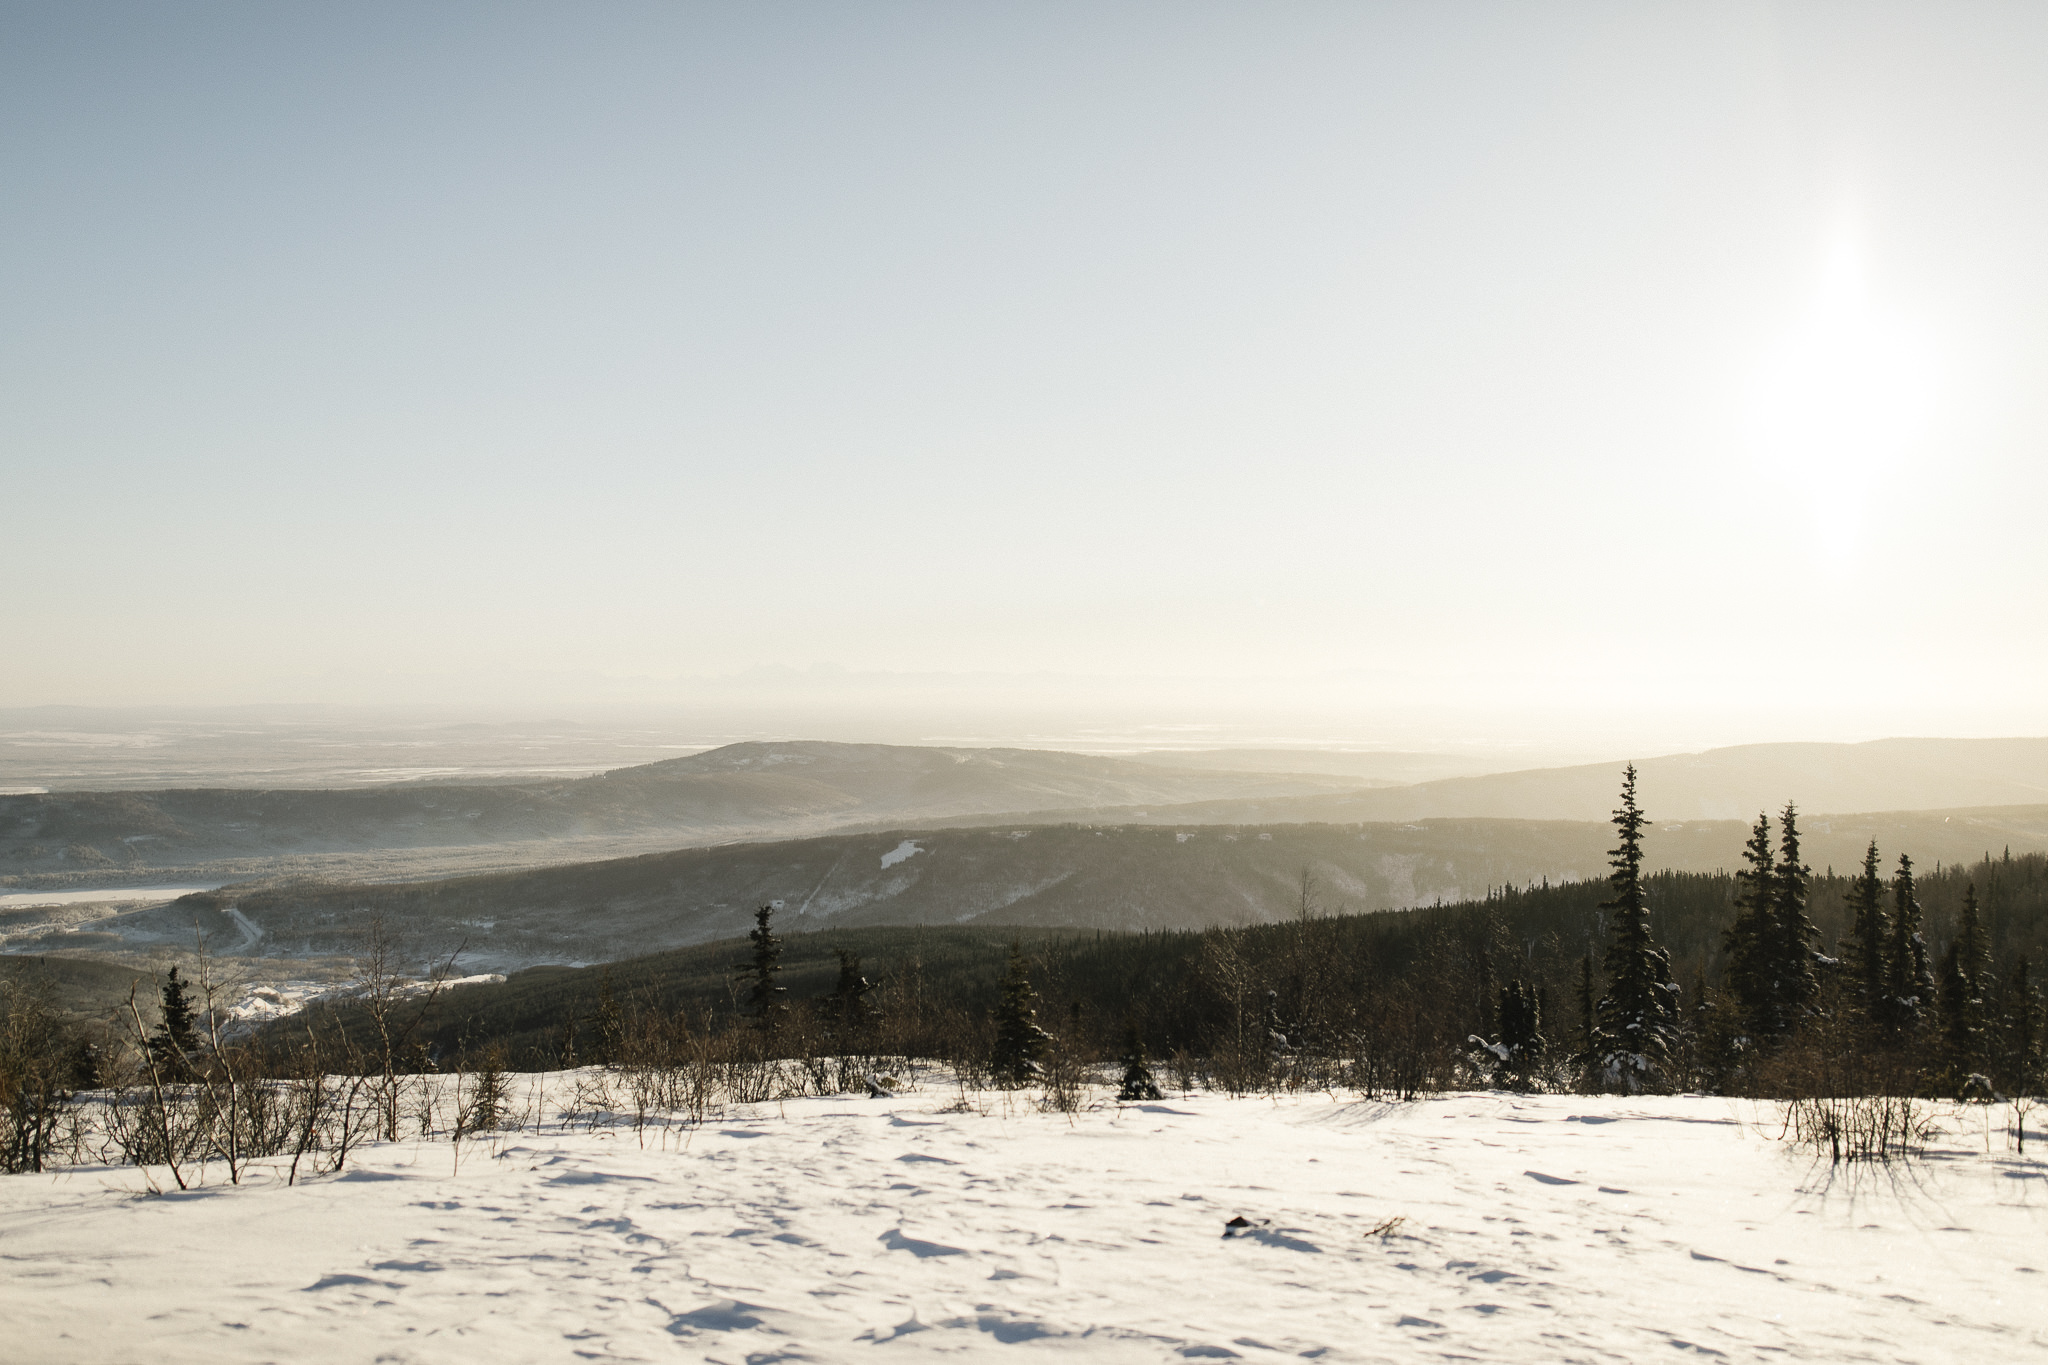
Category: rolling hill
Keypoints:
(759, 791)
(740, 791)
(1718, 784)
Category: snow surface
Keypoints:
(1535, 1229)
(907, 849)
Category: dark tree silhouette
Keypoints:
(851, 1011)
(1137, 1082)
(2019, 1034)
(1965, 982)
(1584, 1057)
(1796, 979)
(1639, 1016)
(1020, 1042)
(1864, 950)
(763, 998)
(1750, 940)
(1521, 1044)
(176, 1040)
(1909, 987)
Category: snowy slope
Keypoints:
(1551, 1228)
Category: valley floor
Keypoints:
(1560, 1228)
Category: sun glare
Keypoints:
(1840, 400)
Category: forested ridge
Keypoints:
(1771, 980)
(1309, 991)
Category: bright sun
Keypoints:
(1840, 399)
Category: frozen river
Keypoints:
(158, 895)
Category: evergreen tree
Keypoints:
(1638, 1019)
(851, 1012)
(1717, 1035)
(1522, 1044)
(611, 1023)
(1864, 949)
(176, 1040)
(1020, 1042)
(1796, 981)
(763, 997)
(1909, 986)
(1965, 981)
(1750, 940)
(1137, 1083)
(1973, 944)
(1955, 1039)
(2020, 1044)
(1588, 1022)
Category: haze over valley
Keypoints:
(802, 681)
(578, 870)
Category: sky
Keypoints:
(1375, 373)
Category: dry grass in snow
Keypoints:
(1481, 1226)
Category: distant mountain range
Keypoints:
(844, 837)
(1720, 784)
(740, 791)
(760, 791)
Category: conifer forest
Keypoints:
(1774, 980)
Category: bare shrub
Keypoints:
(1066, 1083)
(1240, 1067)
(43, 1062)
(1860, 1127)
(484, 1105)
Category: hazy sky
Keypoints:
(1541, 365)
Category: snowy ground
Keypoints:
(1536, 1229)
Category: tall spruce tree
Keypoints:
(1973, 944)
(763, 998)
(1863, 951)
(1718, 1034)
(1909, 975)
(851, 1012)
(1522, 1045)
(1796, 980)
(1584, 1056)
(2020, 1044)
(1965, 982)
(1639, 1015)
(1750, 941)
(175, 1043)
(1952, 1029)
(1020, 1042)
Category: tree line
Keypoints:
(1773, 980)
(1787, 1015)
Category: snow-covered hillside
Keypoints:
(1529, 1229)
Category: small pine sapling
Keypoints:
(1137, 1082)
(1020, 1043)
